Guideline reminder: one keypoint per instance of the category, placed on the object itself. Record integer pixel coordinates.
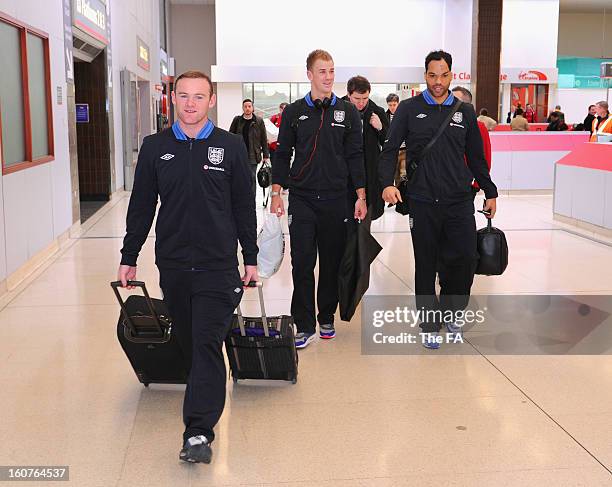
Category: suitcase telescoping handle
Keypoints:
(264, 318)
(116, 285)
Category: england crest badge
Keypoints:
(458, 117)
(339, 116)
(215, 155)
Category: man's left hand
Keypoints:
(250, 274)
(361, 209)
(375, 122)
(490, 205)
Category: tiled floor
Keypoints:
(69, 396)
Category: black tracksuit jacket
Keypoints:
(207, 202)
(319, 170)
(443, 175)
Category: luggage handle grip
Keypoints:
(118, 284)
(259, 286)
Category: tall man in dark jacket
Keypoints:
(325, 132)
(200, 174)
(253, 131)
(440, 191)
(375, 125)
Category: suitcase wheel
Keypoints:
(146, 384)
(235, 380)
(294, 381)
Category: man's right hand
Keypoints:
(277, 206)
(392, 195)
(126, 273)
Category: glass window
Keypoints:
(247, 91)
(268, 96)
(11, 96)
(26, 137)
(380, 91)
(37, 85)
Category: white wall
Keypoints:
(37, 206)
(282, 33)
(574, 102)
(192, 37)
(529, 33)
(131, 18)
(229, 103)
(584, 35)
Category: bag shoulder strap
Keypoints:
(441, 129)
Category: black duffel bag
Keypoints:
(264, 176)
(493, 251)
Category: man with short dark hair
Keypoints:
(200, 174)
(375, 125)
(392, 104)
(588, 120)
(440, 193)
(557, 122)
(253, 131)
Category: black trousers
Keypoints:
(201, 304)
(253, 167)
(315, 226)
(444, 242)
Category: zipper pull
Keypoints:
(190, 143)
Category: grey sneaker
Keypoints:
(327, 331)
(454, 329)
(302, 339)
(196, 450)
(430, 340)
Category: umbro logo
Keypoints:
(303, 117)
(421, 115)
(167, 157)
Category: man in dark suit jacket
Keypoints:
(375, 124)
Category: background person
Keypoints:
(519, 122)
(375, 125)
(602, 124)
(253, 132)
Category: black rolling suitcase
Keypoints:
(262, 347)
(145, 333)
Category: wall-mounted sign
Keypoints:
(143, 54)
(82, 113)
(90, 17)
(60, 95)
(529, 75)
(163, 69)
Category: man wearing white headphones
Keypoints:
(325, 132)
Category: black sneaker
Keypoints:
(196, 450)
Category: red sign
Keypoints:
(532, 76)
(462, 76)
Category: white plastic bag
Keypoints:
(271, 130)
(271, 243)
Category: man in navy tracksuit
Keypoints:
(202, 177)
(325, 132)
(440, 192)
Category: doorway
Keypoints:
(137, 121)
(92, 131)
